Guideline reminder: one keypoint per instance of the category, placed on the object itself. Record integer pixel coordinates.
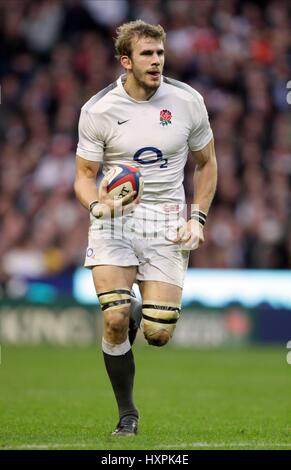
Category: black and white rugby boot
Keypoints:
(127, 426)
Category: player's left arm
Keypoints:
(205, 177)
(190, 235)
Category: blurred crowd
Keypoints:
(54, 55)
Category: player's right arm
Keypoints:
(90, 154)
(85, 181)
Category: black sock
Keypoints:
(134, 319)
(135, 312)
(121, 370)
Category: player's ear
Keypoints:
(126, 62)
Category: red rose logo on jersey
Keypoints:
(165, 117)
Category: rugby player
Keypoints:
(145, 119)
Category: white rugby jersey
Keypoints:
(155, 134)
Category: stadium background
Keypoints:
(54, 55)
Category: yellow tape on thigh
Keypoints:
(114, 299)
(160, 316)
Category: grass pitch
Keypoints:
(60, 398)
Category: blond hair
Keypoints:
(135, 29)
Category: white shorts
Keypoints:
(132, 242)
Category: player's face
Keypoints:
(147, 62)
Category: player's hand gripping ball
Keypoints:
(122, 180)
(119, 191)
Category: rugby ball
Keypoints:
(122, 179)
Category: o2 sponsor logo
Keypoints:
(141, 156)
